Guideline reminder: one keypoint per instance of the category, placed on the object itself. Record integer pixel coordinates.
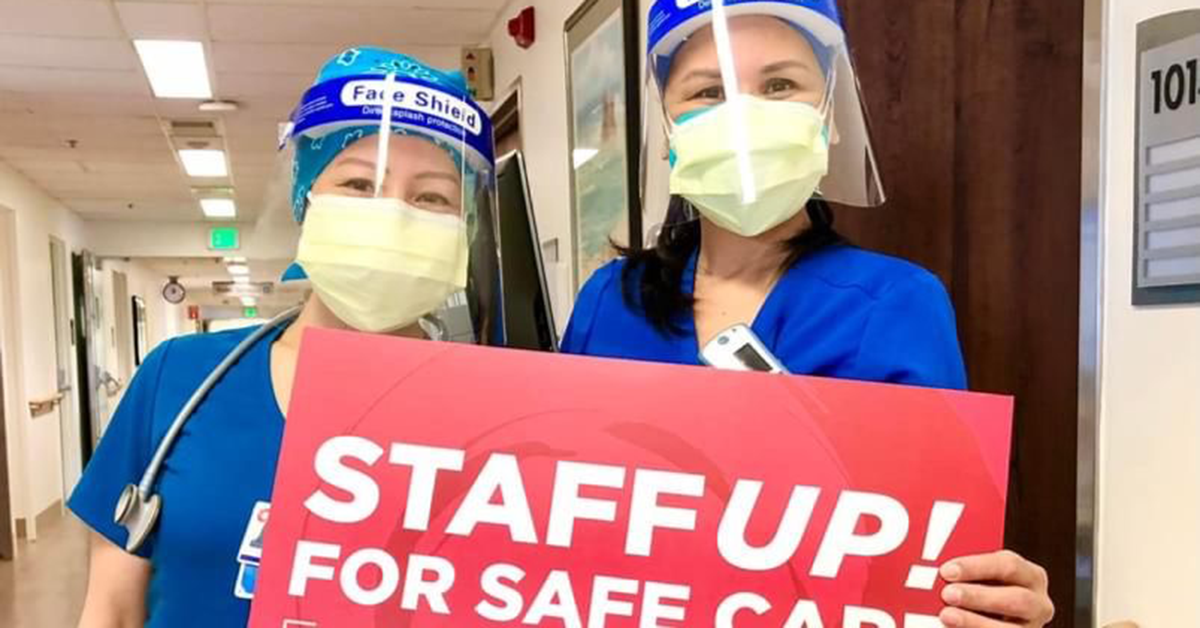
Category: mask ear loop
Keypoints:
(829, 101)
(385, 133)
(826, 111)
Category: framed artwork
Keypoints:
(604, 130)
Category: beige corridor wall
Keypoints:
(38, 217)
(1149, 432)
(541, 72)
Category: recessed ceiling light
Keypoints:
(239, 269)
(204, 162)
(243, 280)
(176, 68)
(218, 106)
(218, 208)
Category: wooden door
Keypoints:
(976, 109)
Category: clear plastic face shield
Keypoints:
(392, 179)
(763, 110)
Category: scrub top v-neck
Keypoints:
(221, 466)
(841, 312)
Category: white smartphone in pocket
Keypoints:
(738, 349)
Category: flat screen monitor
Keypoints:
(528, 315)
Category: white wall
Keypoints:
(541, 71)
(270, 239)
(37, 461)
(163, 320)
(1149, 432)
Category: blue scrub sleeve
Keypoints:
(911, 337)
(123, 454)
(583, 316)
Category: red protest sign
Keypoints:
(427, 484)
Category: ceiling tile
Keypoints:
(143, 209)
(67, 53)
(62, 19)
(80, 104)
(126, 168)
(106, 82)
(306, 59)
(482, 5)
(148, 154)
(45, 168)
(154, 20)
(368, 25)
(246, 86)
(69, 71)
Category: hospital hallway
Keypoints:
(44, 586)
(1001, 196)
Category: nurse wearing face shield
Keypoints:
(766, 126)
(390, 167)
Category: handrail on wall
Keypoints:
(44, 406)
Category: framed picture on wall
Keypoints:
(604, 131)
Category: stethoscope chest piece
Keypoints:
(138, 515)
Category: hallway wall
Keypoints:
(163, 320)
(1149, 430)
(36, 463)
(542, 73)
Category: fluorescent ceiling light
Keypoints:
(235, 260)
(204, 163)
(176, 68)
(239, 269)
(242, 280)
(218, 208)
(584, 155)
(249, 301)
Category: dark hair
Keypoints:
(652, 280)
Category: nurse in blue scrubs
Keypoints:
(391, 164)
(766, 125)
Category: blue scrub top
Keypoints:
(841, 312)
(223, 463)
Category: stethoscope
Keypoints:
(140, 506)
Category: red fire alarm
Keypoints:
(522, 28)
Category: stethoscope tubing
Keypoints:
(150, 476)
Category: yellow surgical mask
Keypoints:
(380, 264)
(783, 156)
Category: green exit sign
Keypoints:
(224, 239)
(250, 312)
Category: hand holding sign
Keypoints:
(545, 496)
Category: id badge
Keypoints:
(252, 541)
(246, 580)
(250, 551)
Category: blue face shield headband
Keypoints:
(344, 104)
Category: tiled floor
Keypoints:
(44, 587)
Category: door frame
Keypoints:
(85, 374)
(14, 484)
(1091, 312)
(65, 363)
